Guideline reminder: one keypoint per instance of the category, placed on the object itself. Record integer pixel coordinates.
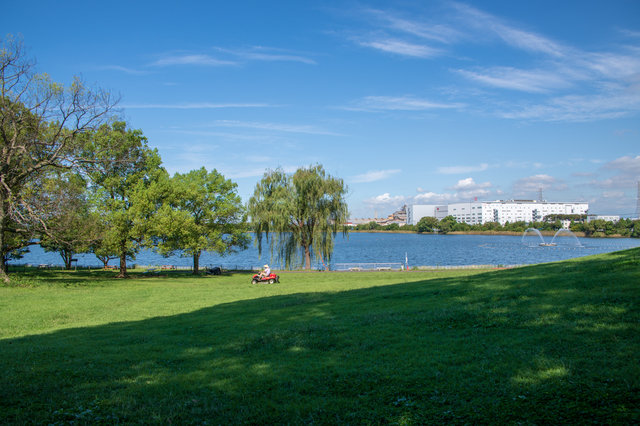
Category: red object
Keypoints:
(272, 278)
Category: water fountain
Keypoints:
(566, 238)
(532, 236)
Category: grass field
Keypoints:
(555, 343)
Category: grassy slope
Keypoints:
(547, 344)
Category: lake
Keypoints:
(379, 248)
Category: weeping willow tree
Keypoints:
(299, 214)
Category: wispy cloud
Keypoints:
(627, 175)
(403, 48)
(403, 103)
(452, 170)
(580, 85)
(578, 108)
(261, 53)
(374, 175)
(231, 57)
(613, 194)
(292, 128)
(200, 105)
(192, 59)
(423, 29)
(533, 184)
(583, 174)
(123, 69)
(517, 79)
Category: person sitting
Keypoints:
(266, 272)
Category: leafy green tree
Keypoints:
(203, 212)
(392, 227)
(427, 224)
(128, 185)
(373, 225)
(304, 211)
(40, 124)
(447, 224)
(71, 226)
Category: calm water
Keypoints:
(421, 250)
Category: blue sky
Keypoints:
(415, 102)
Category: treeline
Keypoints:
(76, 179)
(624, 227)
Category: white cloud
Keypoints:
(403, 48)
(537, 182)
(403, 103)
(123, 69)
(625, 164)
(613, 194)
(425, 30)
(469, 185)
(199, 105)
(582, 174)
(273, 126)
(374, 175)
(584, 86)
(261, 53)
(452, 170)
(515, 37)
(518, 79)
(193, 59)
(239, 57)
(475, 193)
(434, 198)
(628, 169)
(385, 199)
(578, 108)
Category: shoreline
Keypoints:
(497, 233)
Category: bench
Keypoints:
(164, 267)
(110, 267)
(384, 268)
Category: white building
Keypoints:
(501, 211)
(607, 218)
(416, 212)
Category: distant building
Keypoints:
(501, 211)
(399, 217)
(606, 218)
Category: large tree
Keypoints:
(203, 212)
(72, 225)
(40, 123)
(427, 224)
(303, 211)
(128, 186)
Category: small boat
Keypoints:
(548, 244)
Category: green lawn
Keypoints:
(556, 343)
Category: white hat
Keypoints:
(266, 266)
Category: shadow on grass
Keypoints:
(546, 344)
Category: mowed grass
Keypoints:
(555, 343)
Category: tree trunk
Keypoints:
(123, 261)
(196, 261)
(307, 257)
(3, 215)
(66, 257)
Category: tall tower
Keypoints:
(540, 194)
